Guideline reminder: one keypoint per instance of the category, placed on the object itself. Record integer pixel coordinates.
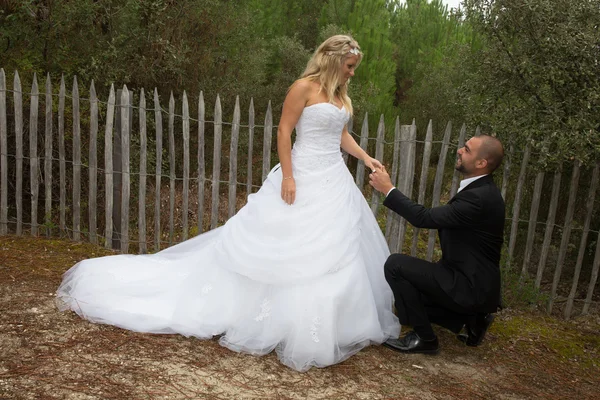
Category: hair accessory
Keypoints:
(354, 51)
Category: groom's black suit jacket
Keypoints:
(471, 232)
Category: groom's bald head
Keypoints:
(492, 151)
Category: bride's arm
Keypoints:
(292, 109)
(350, 146)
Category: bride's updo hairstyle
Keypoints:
(325, 67)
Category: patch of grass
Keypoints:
(568, 340)
(519, 291)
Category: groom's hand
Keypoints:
(380, 180)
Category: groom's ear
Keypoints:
(481, 163)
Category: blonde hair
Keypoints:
(324, 67)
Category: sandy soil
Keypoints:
(46, 354)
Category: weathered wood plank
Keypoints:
(157, 186)
(589, 207)
(186, 165)
(33, 153)
(250, 148)
(364, 140)
(268, 138)
(125, 167)
(118, 165)
(233, 153)
(48, 158)
(506, 171)
(201, 162)
(18, 104)
(549, 226)
(564, 244)
(516, 208)
(533, 213)
(76, 163)
(393, 219)
(437, 185)
(62, 164)
(423, 180)
(593, 279)
(171, 169)
(143, 248)
(216, 175)
(93, 166)
(404, 183)
(108, 168)
(3, 157)
(409, 178)
(457, 175)
(349, 127)
(375, 196)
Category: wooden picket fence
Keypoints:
(114, 196)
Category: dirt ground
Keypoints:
(46, 354)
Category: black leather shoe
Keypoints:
(412, 343)
(476, 330)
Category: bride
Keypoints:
(298, 270)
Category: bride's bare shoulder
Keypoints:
(305, 85)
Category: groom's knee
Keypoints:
(394, 265)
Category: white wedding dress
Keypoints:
(305, 280)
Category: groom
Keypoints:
(463, 288)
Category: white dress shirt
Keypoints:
(463, 184)
(468, 181)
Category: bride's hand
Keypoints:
(373, 164)
(288, 190)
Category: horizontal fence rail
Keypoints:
(137, 178)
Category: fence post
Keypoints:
(456, 175)
(76, 163)
(349, 127)
(549, 226)
(379, 156)
(535, 206)
(423, 180)
(108, 168)
(18, 101)
(117, 171)
(392, 219)
(142, 249)
(201, 162)
(33, 154)
(171, 168)
(506, 171)
(564, 244)
(589, 206)
(48, 157)
(93, 168)
(516, 209)
(360, 166)
(214, 217)
(233, 151)
(437, 185)
(405, 178)
(250, 147)
(62, 162)
(268, 137)
(126, 184)
(593, 278)
(3, 157)
(186, 164)
(158, 123)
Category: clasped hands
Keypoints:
(380, 180)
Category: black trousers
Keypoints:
(420, 300)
